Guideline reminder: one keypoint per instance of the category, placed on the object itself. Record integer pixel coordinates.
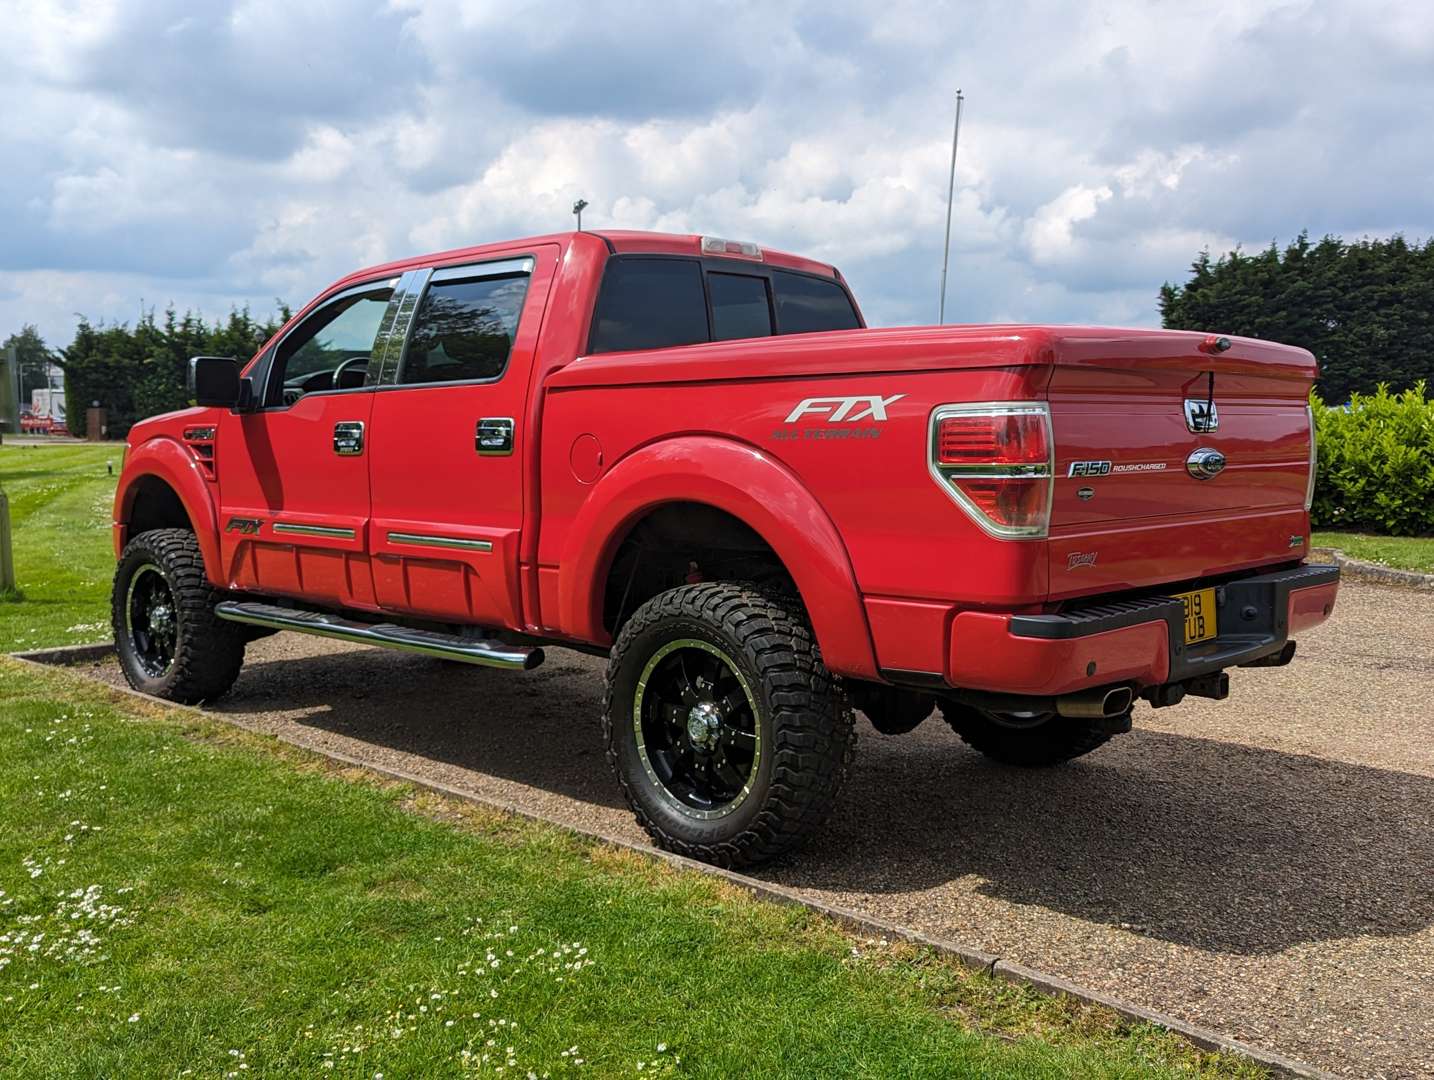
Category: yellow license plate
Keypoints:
(1199, 615)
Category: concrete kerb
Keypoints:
(852, 921)
(1359, 570)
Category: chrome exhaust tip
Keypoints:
(1096, 704)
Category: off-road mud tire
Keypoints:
(208, 651)
(807, 728)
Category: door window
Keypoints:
(331, 348)
(463, 330)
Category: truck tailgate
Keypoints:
(1130, 507)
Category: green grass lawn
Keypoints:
(180, 898)
(60, 509)
(1400, 552)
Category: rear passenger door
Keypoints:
(448, 447)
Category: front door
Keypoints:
(447, 456)
(293, 474)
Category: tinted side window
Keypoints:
(739, 307)
(806, 304)
(464, 330)
(330, 349)
(650, 304)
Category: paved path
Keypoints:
(1262, 866)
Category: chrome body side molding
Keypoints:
(295, 529)
(424, 540)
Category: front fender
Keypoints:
(751, 486)
(165, 459)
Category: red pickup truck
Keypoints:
(690, 455)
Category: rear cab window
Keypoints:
(806, 304)
(741, 307)
(659, 301)
(650, 303)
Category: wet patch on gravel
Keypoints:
(1262, 866)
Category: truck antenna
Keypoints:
(578, 208)
(950, 199)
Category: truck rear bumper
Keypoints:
(1136, 641)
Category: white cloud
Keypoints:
(240, 150)
(1050, 233)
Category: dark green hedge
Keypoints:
(1376, 463)
(1365, 309)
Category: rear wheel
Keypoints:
(169, 641)
(1029, 739)
(892, 710)
(728, 735)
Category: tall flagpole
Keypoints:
(950, 199)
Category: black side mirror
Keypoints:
(214, 380)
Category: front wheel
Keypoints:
(170, 642)
(727, 733)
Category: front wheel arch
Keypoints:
(163, 464)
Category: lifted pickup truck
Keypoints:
(690, 455)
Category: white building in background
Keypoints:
(48, 402)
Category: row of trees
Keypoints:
(137, 371)
(32, 357)
(1365, 309)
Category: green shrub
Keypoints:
(1376, 463)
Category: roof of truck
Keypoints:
(618, 241)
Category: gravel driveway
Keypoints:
(1262, 866)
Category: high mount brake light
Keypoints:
(714, 245)
(995, 460)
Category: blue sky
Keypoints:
(214, 154)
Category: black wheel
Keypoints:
(728, 735)
(892, 710)
(169, 641)
(1029, 739)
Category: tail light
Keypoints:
(1314, 461)
(996, 462)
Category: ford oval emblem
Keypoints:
(1205, 463)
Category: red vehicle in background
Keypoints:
(690, 455)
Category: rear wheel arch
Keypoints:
(670, 542)
(746, 489)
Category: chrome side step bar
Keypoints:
(427, 642)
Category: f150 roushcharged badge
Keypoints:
(1105, 468)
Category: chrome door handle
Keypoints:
(494, 436)
(348, 438)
